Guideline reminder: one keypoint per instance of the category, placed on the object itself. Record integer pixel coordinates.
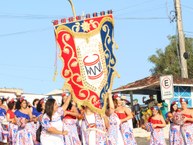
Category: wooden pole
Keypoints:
(181, 41)
(131, 98)
(73, 9)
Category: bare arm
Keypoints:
(30, 114)
(163, 122)
(106, 121)
(73, 112)
(111, 104)
(53, 130)
(189, 119)
(129, 114)
(65, 105)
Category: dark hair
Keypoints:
(2, 100)
(18, 103)
(69, 105)
(171, 108)
(49, 107)
(10, 105)
(35, 100)
(39, 105)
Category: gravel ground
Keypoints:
(145, 141)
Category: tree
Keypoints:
(168, 62)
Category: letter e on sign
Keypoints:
(166, 86)
(166, 82)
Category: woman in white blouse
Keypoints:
(52, 126)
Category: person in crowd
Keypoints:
(126, 103)
(3, 110)
(158, 123)
(136, 110)
(35, 102)
(163, 108)
(93, 128)
(175, 136)
(150, 102)
(52, 125)
(70, 121)
(41, 109)
(12, 123)
(23, 117)
(187, 127)
(114, 134)
(119, 119)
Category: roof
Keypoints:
(54, 92)
(11, 90)
(150, 85)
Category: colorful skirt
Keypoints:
(12, 134)
(157, 137)
(187, 133)
(127, 134)
(72, 138)
(175, 135)
(24, 135)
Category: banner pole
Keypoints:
(73, 9)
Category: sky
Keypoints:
(28, 48)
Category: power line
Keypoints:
(23, 77)
(188, 32)
(25, 67)
(187, 7)
(29, 16)
(24, 32)
(142, 18)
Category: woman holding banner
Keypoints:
(120, 116)
(70, 122)
(93, 128)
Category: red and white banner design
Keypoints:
(86, 48)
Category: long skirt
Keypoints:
(72, 137)
(24, 136)
(114, 133)
(157, 137)
(127, 134)
(187, 133)
(175, 135)
(12, 134)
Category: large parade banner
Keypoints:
(86, 49)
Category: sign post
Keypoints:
(166, 86)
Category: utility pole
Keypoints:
(181, 41)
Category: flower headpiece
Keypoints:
(43, 100)
(22, 98)
(175, 103)
(182, 100)
(1, 97)
(65, 94)
(117, 96)
(155, 108)
(11, 100)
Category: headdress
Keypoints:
(65, 94)
(22, 98)
(182, 100)
(43, 100)
(175, 103)
(155, 108)
(117, 96)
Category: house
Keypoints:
(183, 87)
